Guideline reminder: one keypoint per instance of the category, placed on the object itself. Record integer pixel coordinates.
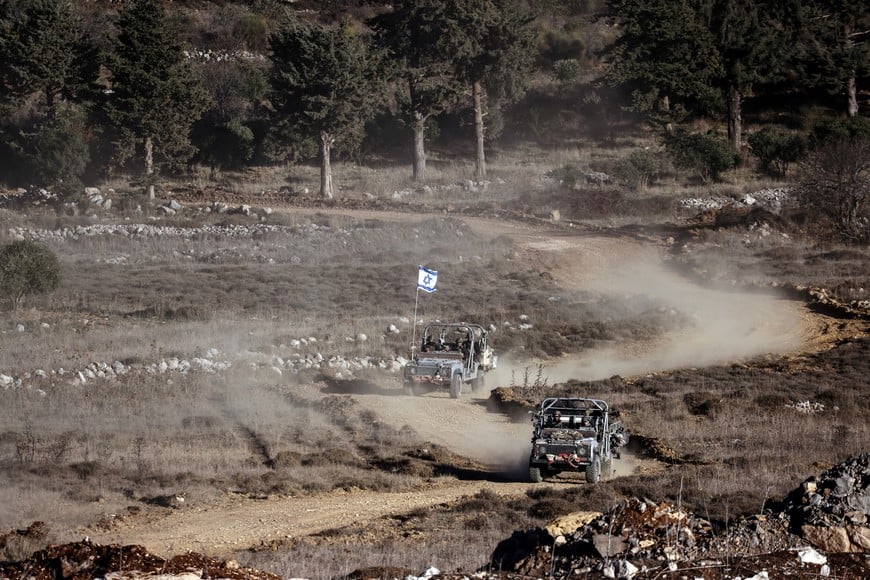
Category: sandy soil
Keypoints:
(730, 326)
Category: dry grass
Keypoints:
(737, 440)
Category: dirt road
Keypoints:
(236, 522)
(729, 326)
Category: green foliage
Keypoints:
(638, 170)
(326, 84)
(27, 268)
(229, 146)
(665, 56)
(420, 76)
(567, 70)
(698, 55)
(491, 42)
(831, 46)
(234, 88)
(556, 45)
(705, 154)
(42, 87)
(253, 29)
(38, 42)
(157, 93)
(411, 34)
(52, 151)
(224, 136)
(832, 130)
(776, 149)
(324, 81)
(57, 152)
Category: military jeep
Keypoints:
(450, 355)
(575, 434)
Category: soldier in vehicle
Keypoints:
(554, 420)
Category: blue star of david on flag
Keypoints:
(426, 279)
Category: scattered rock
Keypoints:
(84, 560)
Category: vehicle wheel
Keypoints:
(478, 384)
(410, 389)
(593, 471)
(535, 475)
(456, 385)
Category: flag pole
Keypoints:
(414, 323)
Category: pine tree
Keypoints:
(38, 48)
(707, 51)
(835, 45)
(741, 39)
(47, 70)
(411, 34)
(156, 92)
(326, 84)
(664, 59)
(491, 45)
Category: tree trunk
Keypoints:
(852, 93)
(419, 148)
(851, 85)
(480, 157)
(149, 166)
(735, 117)
(326, 141)
(666, 108)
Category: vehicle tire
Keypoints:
(593, 471)
(410, 389)
(456, 385)
(478, 384)
(535, 475)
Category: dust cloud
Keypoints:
(725, 325)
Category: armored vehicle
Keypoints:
(575, 434)
(451, 355)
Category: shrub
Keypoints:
(776, 149)
(27, 268)
(829, 131)
(637, 170)
(556, 45)
(566, 70)
(705, 154)
(567, 175)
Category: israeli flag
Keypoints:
(426, 279)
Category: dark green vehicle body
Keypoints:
(575, 434)
(450, 356)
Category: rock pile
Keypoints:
(641, 538)
(832, 511)
(772, 199)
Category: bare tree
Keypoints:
(835, 184)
